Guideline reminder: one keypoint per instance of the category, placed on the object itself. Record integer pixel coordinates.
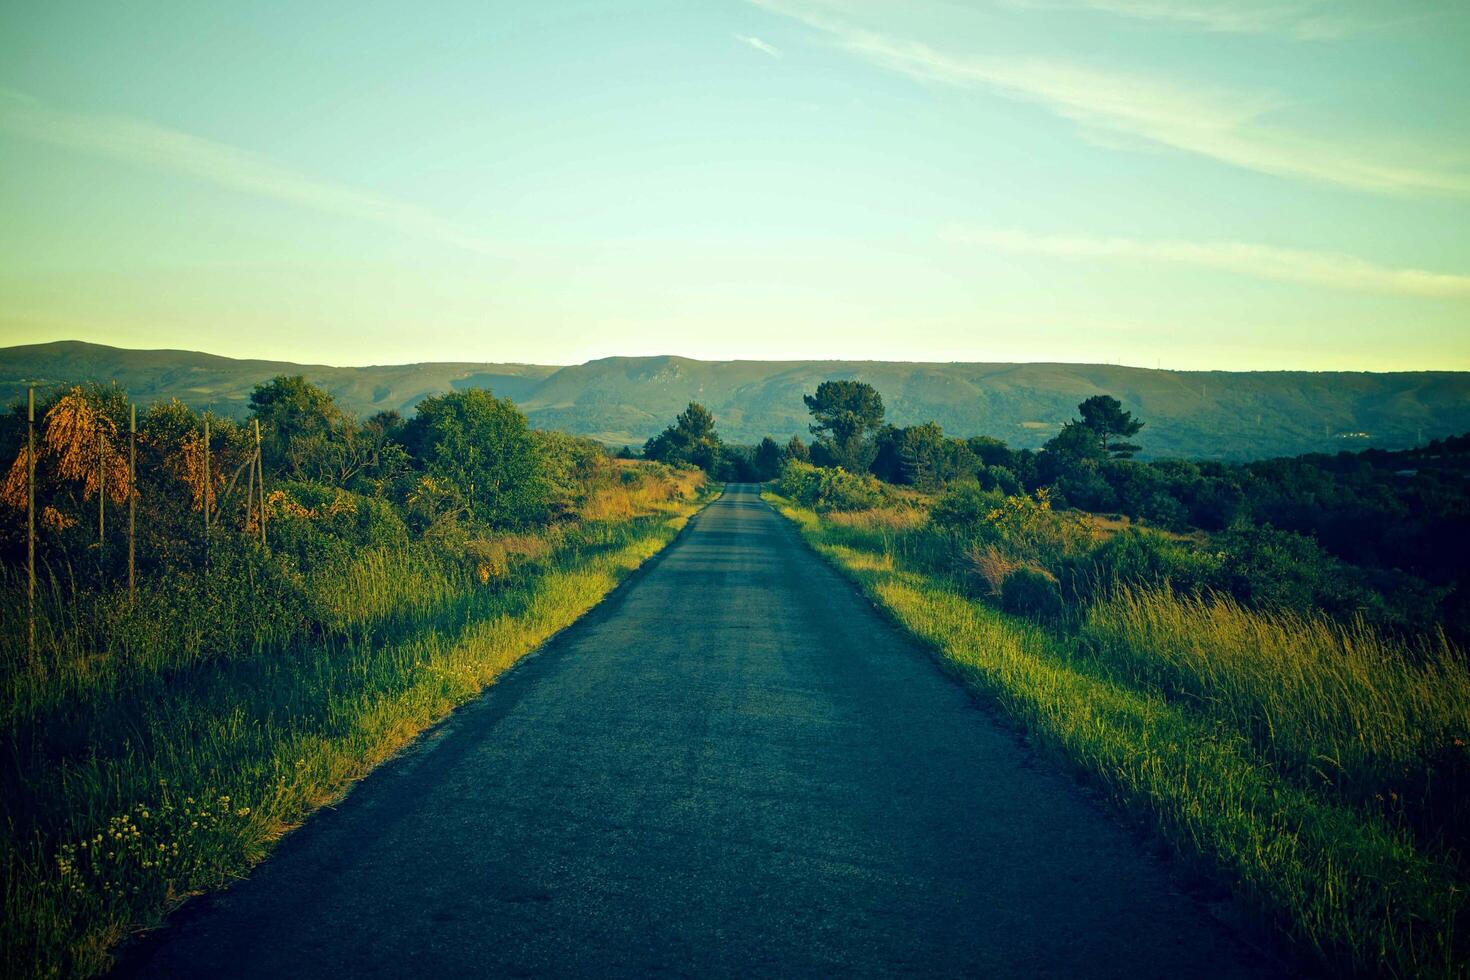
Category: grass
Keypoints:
(1204, 741)
(142, 769)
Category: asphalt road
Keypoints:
(733, 767)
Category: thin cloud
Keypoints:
(1221, 125)
(1309, 20)
(1330, 269)
(759, 45)
(156, 147)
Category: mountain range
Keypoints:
(624, 400)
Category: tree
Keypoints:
(921, 455)
(768, 459)
(691, 439)
(477, 446)
(796, 449)
(1104, 415)
(305, 435)
(845, 413)
(1074, 450)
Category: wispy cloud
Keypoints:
(1331, 269)
(1308, 20)
(155, 147)
(759, 45)
(1222, 125)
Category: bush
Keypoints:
(1024, 528)
(963, 506)
(1029, 592)
(829, 488)
(1270, 569)
(1141, 558)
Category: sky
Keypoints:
(1192, 184)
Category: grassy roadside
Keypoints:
(1353, 893)
(179, 778)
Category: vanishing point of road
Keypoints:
(733, 767)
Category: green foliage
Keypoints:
(1104, 415)
(1028, 592)
(922, 456)
(570, 465)
(1025, 527)
(767, 460)
(964, 506)
(827, 488)
(480, 449)
(845, 413)
(1135, 558)
(797, 450)
(692, 439)
(304, 434)
(1270, 569)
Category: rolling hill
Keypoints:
(1208, 414)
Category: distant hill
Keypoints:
(624, 400)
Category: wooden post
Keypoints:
(132, 504)
(249, 489)
(206, 494)
(260, 472)
(206, 473)
(101, 496)
(31, 517)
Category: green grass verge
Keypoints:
(190, 776)
(1352, 893)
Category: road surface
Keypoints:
(732, 767)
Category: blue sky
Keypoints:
(1189, 183)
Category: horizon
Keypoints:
(1183, 185)
(730, 360)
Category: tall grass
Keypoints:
(1375, 721)
(1354, 892)
(151, 778)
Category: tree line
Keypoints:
(1375, 532)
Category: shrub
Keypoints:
(963, 506)
(1142, 558)
(1024, 528)
(1270, 569)
(1030, 592)
(829, 488)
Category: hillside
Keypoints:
(619, 400)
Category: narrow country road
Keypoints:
(733, 767)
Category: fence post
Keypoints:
(206, 493)
(101, 496)
(31, 519)
(249, 490)
(132, 503)
(260, 471)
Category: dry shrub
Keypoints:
(990, 565)
(82, 444)
(279, 504)
(489, 559)
(608, 504)
(524, 545)
(54, 520)
(890, 519)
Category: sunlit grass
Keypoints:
(1340, 707)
